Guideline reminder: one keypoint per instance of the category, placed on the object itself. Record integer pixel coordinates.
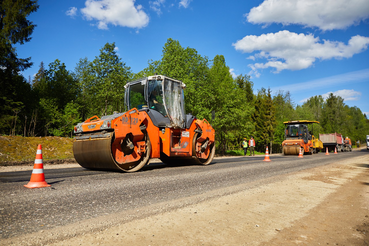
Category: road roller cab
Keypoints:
(154, 126)
(297, 136)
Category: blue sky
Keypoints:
(307, 47)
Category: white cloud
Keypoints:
(347, 95)
(184, 3)
(116, 12)
(231, 71)
(304, 100)
(71, 12)
(156, 6)
(346, 78)
(116, 49)
(326, 15)
(292, 51)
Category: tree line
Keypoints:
(56, 98)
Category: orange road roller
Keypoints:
(154, 126)
(298, 137)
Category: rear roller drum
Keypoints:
(194, 159)
(209, 158)
(137, 165)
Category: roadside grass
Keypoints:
(18, 149)
(239, 152)
(23, 149)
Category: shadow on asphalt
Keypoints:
(24, 176)
(55, 182)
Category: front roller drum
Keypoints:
(95, 153)
(291, 150)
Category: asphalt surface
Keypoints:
(78, 194)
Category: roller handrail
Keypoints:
(91, 119)
(207, 122)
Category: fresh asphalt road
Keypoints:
(78, 194)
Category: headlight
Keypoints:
(106, 124)
(78, 128)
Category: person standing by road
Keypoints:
(252, 146)
(244, 146)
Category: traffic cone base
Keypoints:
(267, 155)
(38, 176)
(41, 184)
(326, 152)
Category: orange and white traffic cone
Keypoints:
(37, 177)
(300, 154)
(267, 155)
(326, 152)
(335, 150)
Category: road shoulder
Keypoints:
(328, 204)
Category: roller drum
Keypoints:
(291, 150)
(192, 159)
(95, 153)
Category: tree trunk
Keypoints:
(271, 147)
(25, 125)
(34, 124)
(30, 123)
(106, 106)
(15, 121)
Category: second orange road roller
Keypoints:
(298, 137)
(154, 126)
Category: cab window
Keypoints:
(136, 96)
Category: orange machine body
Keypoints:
(127, 141)
(297, 136)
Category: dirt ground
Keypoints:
(328, 205)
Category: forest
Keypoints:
(57, 98)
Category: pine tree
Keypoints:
(264, 119)
(187, 65)
(39, 77)
(333, 114)
(106, 84)
(14, 29)
(246, 98)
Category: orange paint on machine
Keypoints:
(154, 125)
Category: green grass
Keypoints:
(18, 149)
(239, 152)
(23, 149)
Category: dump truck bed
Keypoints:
(331, 138)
